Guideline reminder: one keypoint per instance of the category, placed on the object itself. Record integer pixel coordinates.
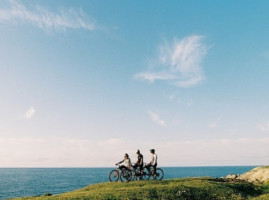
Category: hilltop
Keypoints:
(183, 188)
(250, 185)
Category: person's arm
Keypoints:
(141, 160)
(120, 162)
(138, 160)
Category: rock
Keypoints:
(258, 174)
(233, 176)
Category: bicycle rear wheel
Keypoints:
(159, 174)
(126, 175)
(114, 176)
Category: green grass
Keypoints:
(265, 167)
(182, 189)
(265, 189)
(262, 197)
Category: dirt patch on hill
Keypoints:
(258, 174)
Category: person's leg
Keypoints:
(140, 168)
(154, 167)
(150, 168)
(135, 167)
(154, 171)
(122, 167)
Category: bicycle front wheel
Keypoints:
(159, 174)
(145, 175)
(114, 176)
(126, 175)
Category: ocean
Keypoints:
(18, 182)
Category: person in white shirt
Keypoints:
(153, 161)
(126, 162)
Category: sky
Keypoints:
(84, 82)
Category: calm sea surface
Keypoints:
(17, 182)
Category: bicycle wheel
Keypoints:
(159, 174)
(137, 174)
(114, 176)
(145, 175)
(149, 173)
(126, 175)
(134, 177)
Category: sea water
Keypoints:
(18, 182)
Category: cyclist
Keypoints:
(139, 162)
(127, 162)
(153, 162)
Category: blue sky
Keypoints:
(83, 82)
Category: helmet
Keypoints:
(126, 155)
(152, 151)
(138, 152)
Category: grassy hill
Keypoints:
(262, 197)
(184, 188)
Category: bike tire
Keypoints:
(150, 173)
(126, 175)
(145, 175)
(113, 176)
(137, 175)
(159, 174)
(134, 177)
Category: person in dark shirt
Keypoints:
(139, 162)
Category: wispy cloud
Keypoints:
(156, 118)
(179, 62)
(263, 126)
(29, 113)
(45, 19)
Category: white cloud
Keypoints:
(29, 113)
(47, 20)
(156, 118)
(151, 77)
(179, 62)
(72, 152)
(263, 126)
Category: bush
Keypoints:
(47, 194)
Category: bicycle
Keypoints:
(125, 175)
(139, 174)
(150, 173)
